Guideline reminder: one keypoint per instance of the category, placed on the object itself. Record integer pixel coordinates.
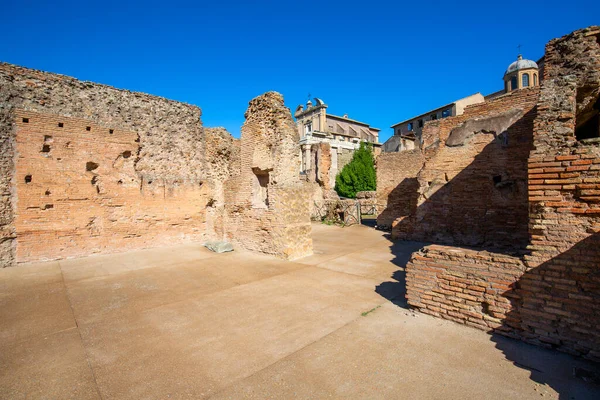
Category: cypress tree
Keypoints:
(359, 174)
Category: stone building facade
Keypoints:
(521, 74)
(408, 133)
(531, 158)
(86, 168)
(342, 134)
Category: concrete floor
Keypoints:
(182, 322)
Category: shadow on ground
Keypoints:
(571, 377)
(395, 290)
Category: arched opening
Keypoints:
(525, 80)
(535, 80)
(514, 83)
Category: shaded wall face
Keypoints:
(397, 186)
(549, 296)
(564, 194)
(472, 188)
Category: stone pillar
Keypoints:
(333, 171)
(306, 157)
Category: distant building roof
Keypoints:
(352, 120)
(520, 64)
(432, 110)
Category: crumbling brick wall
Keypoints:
(88, 168)
(223, 164)
(550, 294)
(164, 139)
(397, 185)
(267, 206)
(561, 288)
(472, 188)
(321, 162)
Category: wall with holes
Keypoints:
(472, 188)
(78, 192)
(70, 187)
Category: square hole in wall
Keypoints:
(111, 131)
(26, 120)
(587, 124)
(88, 128)
(60, 125)
(28, 179)
(260, 188)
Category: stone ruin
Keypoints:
(86, 168)
(326, 204)
(509, 193)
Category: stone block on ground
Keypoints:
(219, 247)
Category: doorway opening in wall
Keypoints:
(260, 188)
(587, 128)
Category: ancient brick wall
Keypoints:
(563, 277)
(397, 186)
(472, 188)
(322, 165)
(267, 206)
(78, 192)
(164, 137)
(466, 286)
(222, 164)
(344, 157)
(550, 295)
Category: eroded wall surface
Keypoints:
(547, 292)
(559, 299)
(87, 168)
(87, 209)
(267, 205)
(222, 165)
(397, 186)
(472, 188)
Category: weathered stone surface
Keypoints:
(267, 206)
(219, 247)
(495, 124)
(148, 151)
(87, 168)
(366, 195)
(474, 194)
(546, 291)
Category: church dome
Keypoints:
(520, 64)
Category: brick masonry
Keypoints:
(472, 188)
(397, 185)
(267, 206)
(548, 291)
(87, 168)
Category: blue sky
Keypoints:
(379, 62)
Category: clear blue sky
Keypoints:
(380, 62)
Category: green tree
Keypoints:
(359, 174)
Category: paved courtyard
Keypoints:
(182, 322)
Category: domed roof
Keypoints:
(520, 64)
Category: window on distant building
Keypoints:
(420, 123)
(534, 79)
(525, 80)
(446, 113)
(409, 126)
(308, 128)
(513, 83)
(433, 116)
